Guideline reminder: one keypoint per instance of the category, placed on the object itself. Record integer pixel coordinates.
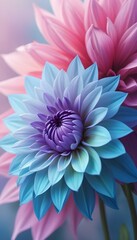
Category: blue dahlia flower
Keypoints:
(65, 136)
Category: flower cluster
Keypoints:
(70, 136)
(67, 139)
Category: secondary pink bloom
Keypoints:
(104, 31)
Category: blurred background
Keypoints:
(17, 27)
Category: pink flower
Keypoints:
(104, 31)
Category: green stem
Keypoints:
(104, 220)
(132, 208)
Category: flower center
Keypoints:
(65, 129)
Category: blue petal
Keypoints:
(123, 168)
(35, 107)
(111, 150)
(53, 174)
(110, 202)
(85, 199)
(7, 143)
(91, 100)
(24, 132)
(30, 84)
(94, 164)
(80, 160)
(95, 116)
(97, 136)
(109, 83)
(27, 160)
(103, 183)
(60, 84)
(59, 194)
(116, 128)
(48, 75)
(26, 190)
(41, 162)
(15, 165)
(16, 101)
(63, 162)
(127, 115)
(13, 122)
(74, 89)
(41, 204)
(41, 182)
(75, 68)
(113, 101)
(73, 179)
(90, 74)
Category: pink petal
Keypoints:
(44, 53)
(59, 35)
(130, 68)
(100, 48)
(57, 8)
(131, 100)
(25, 219)
(10, 192)
(3, 128)
(73, 14)
(5, 161)
(127, 45)
(21, 62)
(75, 218)
(13, 85)
(111, 8)
(126, 17)
(111, 31)
(94, 14)
(48, 224)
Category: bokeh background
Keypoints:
(17, 27)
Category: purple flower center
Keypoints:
(64, 129)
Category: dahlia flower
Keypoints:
(104, 31)
(66, 140)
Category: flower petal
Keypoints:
(5, 161)
(123, 169)
(97, 136)
(48, 224)
(85, 199)
(111, 150)
(111, 100)
(12, 86)
(41, 204)
(41, 182)
(53, 174)
(94, 164)
(100, 48)
(95, 116)
(59, 194)
(26, 190)
(25, 219)
(103, 183)
(94, 14)
(73, 179)
(80, 160)
(116, 128)
(127, 45)
(10, 193)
